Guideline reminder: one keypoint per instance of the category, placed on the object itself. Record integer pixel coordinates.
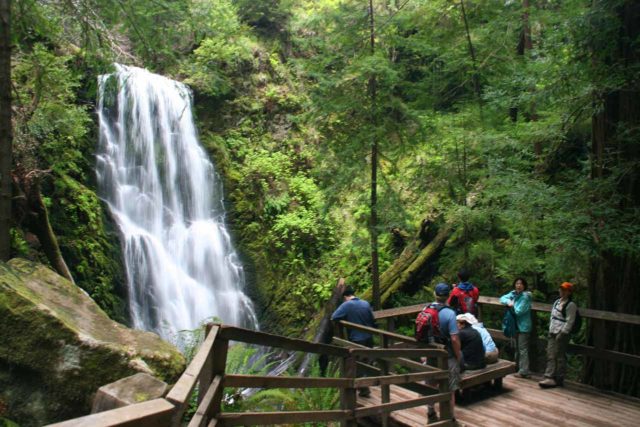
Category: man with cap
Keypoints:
(563, 314)
(449, 332)
(491, 352)
(355, 310)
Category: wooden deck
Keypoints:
(523, 403)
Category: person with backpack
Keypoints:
(355, 310)
(437, 323)
(519, 300)
(464, 297)
(563, 318)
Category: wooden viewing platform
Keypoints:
(521, 402)
(398, 397)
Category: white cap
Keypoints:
(467, 317)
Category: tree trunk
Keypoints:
(34, 217)
(373, 225)
(411, 262)
(6, 134)
(613, 279)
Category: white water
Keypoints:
(167, 200)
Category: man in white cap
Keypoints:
(491, 353)
(471, 343)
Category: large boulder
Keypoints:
(57, 347)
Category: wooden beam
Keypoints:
(269, 340)
(152, 413)
(257, 381)
(376, 353)
(181, 391)
(395, 406)
(400, 378)
(290, 417)
(206, 407)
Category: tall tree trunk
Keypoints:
(615, 144)
(6, 134)
(373, 225)
(472, 53)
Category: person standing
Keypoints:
(464, 297)
(449, 335)
(563, 315)
(519, 299)
(355, 310)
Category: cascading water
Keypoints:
(167, 200)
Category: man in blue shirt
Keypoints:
(449, 332)
(355, 310)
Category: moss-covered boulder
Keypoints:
(57, 347)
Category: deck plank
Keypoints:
(523, 402)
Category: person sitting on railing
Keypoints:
(491, 353)
(471, 343)
(355, 310)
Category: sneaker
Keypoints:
(432, 417)
(520, 375)
(547, 383)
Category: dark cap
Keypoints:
(442, 289)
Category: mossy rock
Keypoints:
(57, 339)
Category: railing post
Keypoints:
(533, 344)
(446, 408)
(206, 375)
(348, 399)
(385, 389)
(218, 366)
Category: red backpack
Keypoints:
(466, 300)
(428, 324)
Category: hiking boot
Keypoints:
(520, 375)
(364, 392)
(432, 417)
(547, 383)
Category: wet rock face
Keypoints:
(57, 347)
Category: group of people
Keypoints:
(452, 320)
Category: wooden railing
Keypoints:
(588, 314)
(207, 371)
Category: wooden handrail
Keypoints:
(588, 313)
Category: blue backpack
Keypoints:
(509, 323)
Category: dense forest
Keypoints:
(386, 142)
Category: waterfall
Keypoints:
(166, 198)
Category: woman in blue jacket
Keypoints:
(520, 300)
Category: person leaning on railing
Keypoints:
(520, 300)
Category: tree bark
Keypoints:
(6, 134)
(614, 274)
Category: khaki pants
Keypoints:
(557, 356)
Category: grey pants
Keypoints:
(523, 353)
(557, 356)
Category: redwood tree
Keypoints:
(615, 157)
(5, 128)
